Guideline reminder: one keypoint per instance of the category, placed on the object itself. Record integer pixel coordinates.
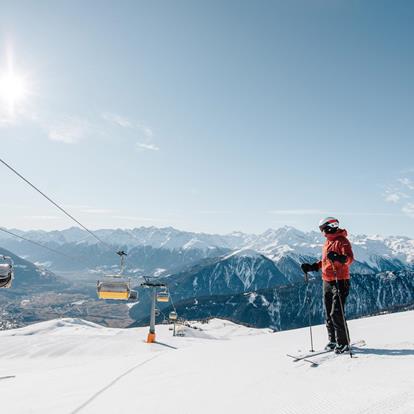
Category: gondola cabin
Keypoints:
(116, 288)
(163, 296)
(6, 272)
(173, 316)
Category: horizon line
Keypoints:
(200, 232)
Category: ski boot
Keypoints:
(330, 346)
(340, 349)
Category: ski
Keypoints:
(312, 363)
(331, 356)
(297, 358)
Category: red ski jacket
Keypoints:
(337, 243)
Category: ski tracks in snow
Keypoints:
(7, 377)
(113, 382)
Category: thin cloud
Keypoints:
(116, 119)
(42, 217)
(140, 129)
(64, 128)
(370, 213)
(72, 129)
(137, 218)
(406, 182)
(408, 209)
(311, 212)
(97, 210)
(69, 130)
(393, 197)
(286, 222)
(214, 212)
(77, 206)
(297, 212)
(142, 146)
(145, 129)
(402, 193)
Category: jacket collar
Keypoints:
(334, 236)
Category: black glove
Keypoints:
(307, 267)
(336, 257)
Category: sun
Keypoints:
(13, 90)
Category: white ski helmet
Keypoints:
(328, 222)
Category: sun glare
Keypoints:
(12, 90)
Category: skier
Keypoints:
(337, 256)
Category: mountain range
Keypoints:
(157, 251)
(228, 275)
(287, 306)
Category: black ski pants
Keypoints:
(335, 319)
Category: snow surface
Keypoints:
(74, 366)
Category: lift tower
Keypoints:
(153, 286)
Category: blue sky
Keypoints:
(210, 116)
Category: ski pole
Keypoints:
(309, 310)
(342, 309)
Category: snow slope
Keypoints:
(73, 366)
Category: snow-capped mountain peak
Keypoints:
(273, 243)
(245, 252)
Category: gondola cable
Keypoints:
(172, 303)
(36, 243)
(54, 203)
(122, 288)
(119, 289)
(77, 258)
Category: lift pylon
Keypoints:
(151, 285)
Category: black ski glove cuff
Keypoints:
(335, 257)
(307, 267)
(315, 267)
